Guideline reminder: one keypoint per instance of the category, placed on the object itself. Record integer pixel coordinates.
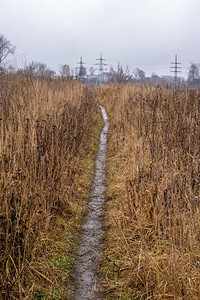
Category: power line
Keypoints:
(175, 71)
(101, 65)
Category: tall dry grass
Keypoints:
(153, 211)
(44, 130)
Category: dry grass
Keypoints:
(152, 246)
(45, 134)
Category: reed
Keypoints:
(152, 248)
(45, 131)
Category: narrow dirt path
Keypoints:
(86, 272)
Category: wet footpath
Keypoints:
(86, 278)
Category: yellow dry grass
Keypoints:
(46, 130)
(152, 244)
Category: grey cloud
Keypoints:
(144, 33)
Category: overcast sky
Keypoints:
(139, 33)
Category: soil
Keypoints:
(86, 277)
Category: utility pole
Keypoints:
(176, 71)
(101, 65)
(82, 69)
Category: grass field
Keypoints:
(49, 132)
(152, 241)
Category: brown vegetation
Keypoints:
(47, 145)
(45, 135)
(152, 248)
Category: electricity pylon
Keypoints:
(82, 69)
(101, 65)
(176, 71)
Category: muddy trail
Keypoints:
(86, 278)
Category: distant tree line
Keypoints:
(118, 75)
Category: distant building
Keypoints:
(92, 77)
(105, 77)
(194, 83)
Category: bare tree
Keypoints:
(155, 79)
(65, 71)
(193, 72)
(82, 71)
(121, 75)
(76, 72)
(6, 48)
(139, 74)
(37, 69)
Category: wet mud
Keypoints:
(86, 277)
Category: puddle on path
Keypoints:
(87, 266)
